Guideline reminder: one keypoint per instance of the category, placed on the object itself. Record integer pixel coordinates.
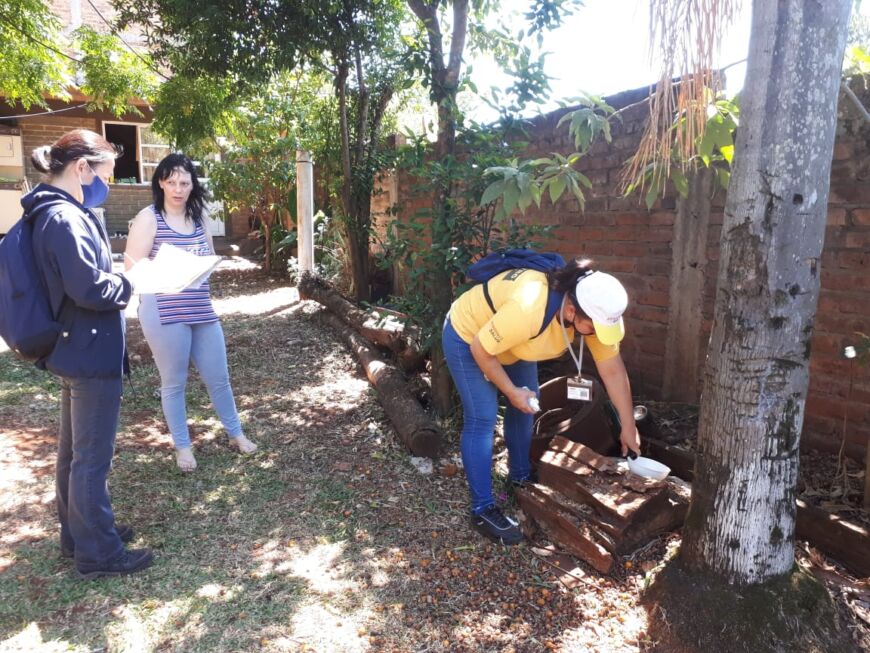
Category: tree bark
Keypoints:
(741, 522)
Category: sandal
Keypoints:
(185, 460)
(243, 444)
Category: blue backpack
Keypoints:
(27, 323)
(495, 263)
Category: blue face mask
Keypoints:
(95, 193)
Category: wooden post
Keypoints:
(867, 480)
(305, 210)
(689, 261)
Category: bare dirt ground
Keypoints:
(327, 539)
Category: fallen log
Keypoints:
(382, 330)
(845, 541)
(412, 424)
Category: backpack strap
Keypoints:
(554, 303)
(488, 297)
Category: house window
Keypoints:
(143, 150)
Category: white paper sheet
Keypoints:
(171, 270)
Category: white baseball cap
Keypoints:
(604, 300)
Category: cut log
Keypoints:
(845, 541)
(414, 427)
(564, 529)
(381, 329)
(583, 453)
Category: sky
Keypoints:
(603, 49)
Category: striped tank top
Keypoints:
(191, 306)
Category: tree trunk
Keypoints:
(741, 522)
(267, 246)
(359, 261)
(445, 82)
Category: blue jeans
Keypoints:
(89, 411)
(480, 408)
(173, 347)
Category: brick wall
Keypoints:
(36, 132)
(124, 202)
(636, 245)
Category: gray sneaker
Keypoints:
(493, 524)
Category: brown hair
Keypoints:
(74, 145)
(564, 279)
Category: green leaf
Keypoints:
(511, 197)
(493, 192)
(557, 187)
(724, 177)
(652, 194)
(727, 152)
(535, 191)
(583, 179)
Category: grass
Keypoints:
(224, 578)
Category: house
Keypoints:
(23, 130)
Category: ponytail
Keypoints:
(564, 279)
(76, 144)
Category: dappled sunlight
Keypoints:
(142, 626)
(332, 630)
(326, 539)
(259, 304)
(30, 638)
(320, 566)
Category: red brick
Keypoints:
(632, 218)
(850, 260)
(842, 151)
(662, 218)
(861, 217)
(836, 217)
(858, 240)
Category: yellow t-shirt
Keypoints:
(520, 299)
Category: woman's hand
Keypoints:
(519, 398)
(630, 439)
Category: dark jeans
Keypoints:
(479, 411)
(88, 421)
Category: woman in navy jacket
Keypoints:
(72, 250)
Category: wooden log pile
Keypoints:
(354, 326)
(587, 506)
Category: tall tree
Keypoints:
(736, 565)
(741, 522)
(357, 41)
(40, 61)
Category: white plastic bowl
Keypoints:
(648, 468)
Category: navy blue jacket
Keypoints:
(72, 250)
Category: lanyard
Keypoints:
(578, 360)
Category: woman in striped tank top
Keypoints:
(183, 327)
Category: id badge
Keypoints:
(580, 389)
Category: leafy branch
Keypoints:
(527, 181)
